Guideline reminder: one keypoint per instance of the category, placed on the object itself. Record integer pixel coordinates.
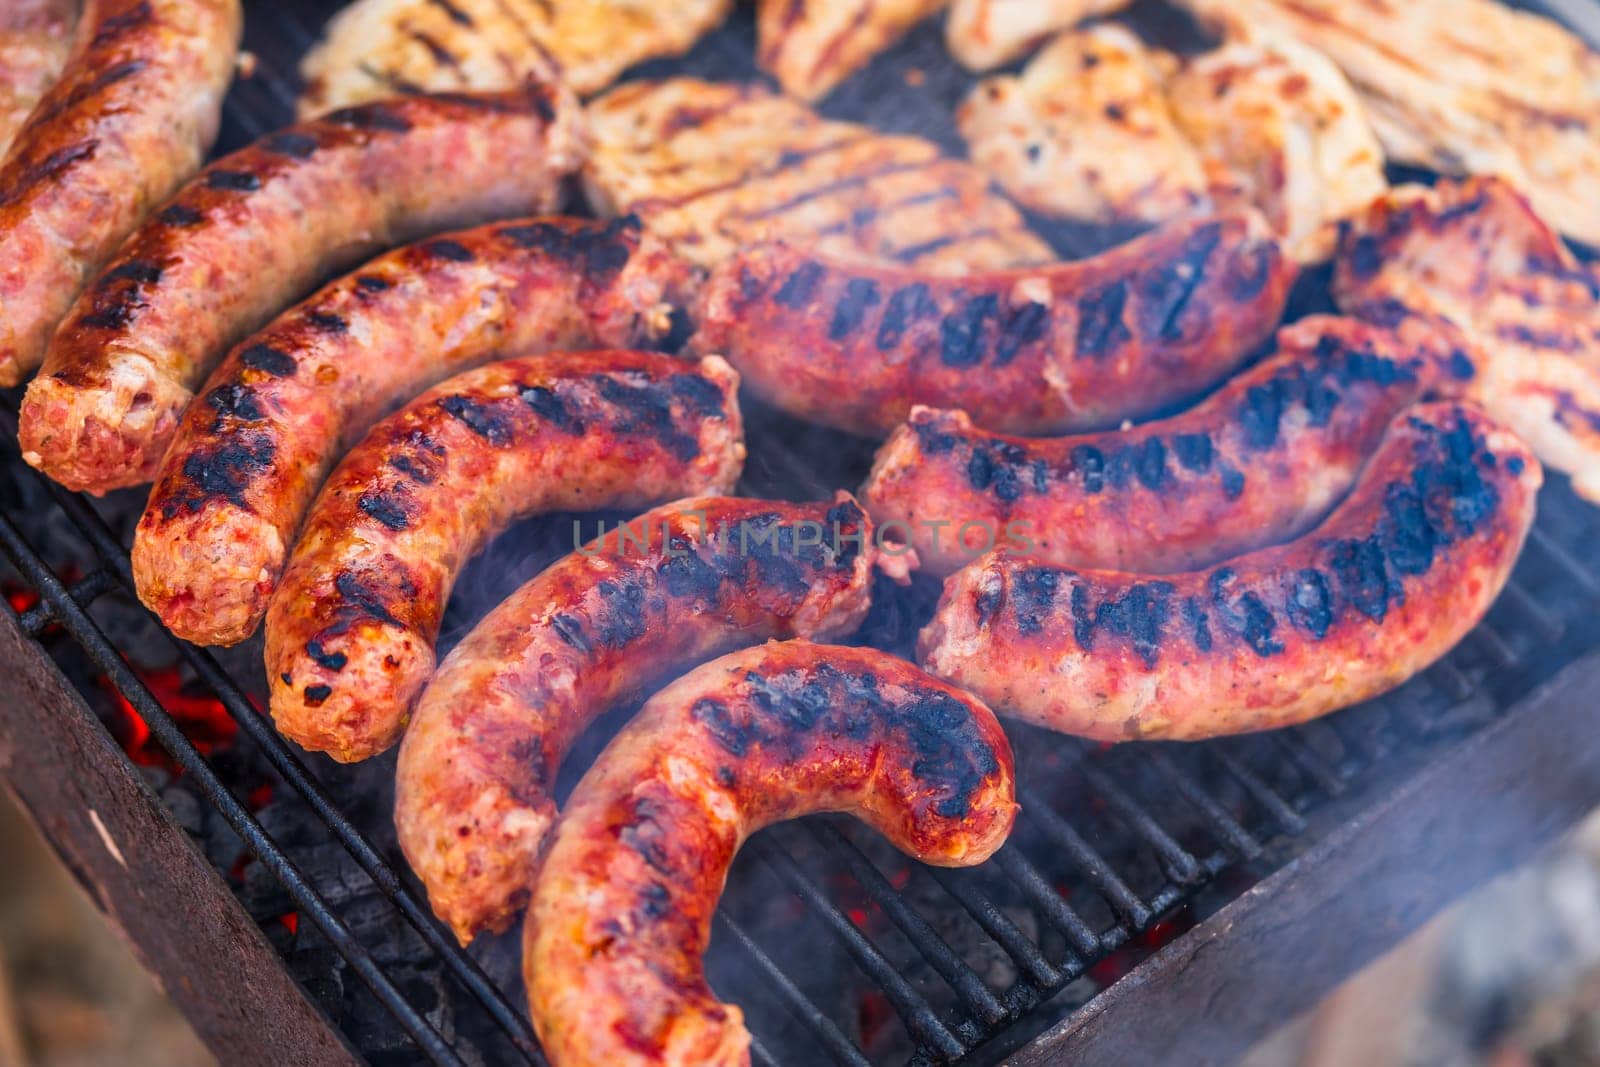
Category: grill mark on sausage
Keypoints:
(180, 216)
(48, 169)
(458, 16)
(1167, 290)
(234, 401)
(374, 117)
(327, 321)
(333, 661)
(454, 251)
(223, 472)
(1023, 326)
(292, 144)
(240, 181)
(906, 307)
(116, 26)
(484, 419)
(961, 332)
(372, 283)
(52, 109)
(393, 507)
(800, 286)
(269, 360)
(1101, 330)
(860, 296)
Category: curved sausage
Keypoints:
(1389, 583)
(231, 492)
(1256, 463)
(1073, 346)
(132, 116)
(692, 579)
(622, 913)
(350, 631)
(252, 233)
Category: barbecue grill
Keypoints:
(1155, 900)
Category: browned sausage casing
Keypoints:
(1072, 346)
(252, 233)
(286, 403)
(622, 913)
(692, 579)
(1254, 464)
(1389, 583)
(350, 631)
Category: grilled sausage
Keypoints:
(35, 37)
(134, 112)
(232, 491)
(474, 799)
(351, 628)
(622, 912)
(1254, 464)
(1072, 346)
(1389, 583)
(251, 234)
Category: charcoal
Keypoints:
(185, 809)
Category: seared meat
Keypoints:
(1070, 346)
(1255, 463)
(1461, 87)
(378, 48)
(1395, 577)
(1085, 132)
(256, 230)
(812, 45)
(622, 913)
(129, 120)
(209, 550)
(1475, 253)
(350, 631)
(598, 628)
(713, 168)
(984, 34)
(1278, 125)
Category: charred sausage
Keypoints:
(252, 233)
(350, 631)
(1389, 583)
(622, 913)
(692, 579)
(131, 118)
(231, 492)
(1074, 346)
(1254, 464)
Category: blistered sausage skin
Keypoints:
(288, 401)
(1068, 347)
(622, 913)
(252, 233)
(350, 631)
(1396, 576)
(132, 116)
(692, 579)
(1254, 464)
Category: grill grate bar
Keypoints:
(918, 1016)
(1122, 900)
(85, 591)
(75, 619)
(1282, 812)
(1554, 551)
(1039, 971)
(1052, 906)
(1180, 863)
(977, 997)
(794, 1001)
(1235, 836)
(1550, 628)
(294, 773)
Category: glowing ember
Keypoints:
(202, 718)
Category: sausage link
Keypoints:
(131, 118)
(231, 492)
(622, 913)
(252, 233)
(1256, 463)
(35, 39)
(1396, 576)
(350, 631)
(1069, 347)
(473, 799)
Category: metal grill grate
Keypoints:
(1116, 848)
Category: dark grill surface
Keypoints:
(833, 944)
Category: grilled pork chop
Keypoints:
(1460, 86)
(984, 34)
(812, 45)
(715, 167)
(376, 48)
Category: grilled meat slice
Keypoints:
(622, 913)
(130, 119)
(35, 37)
(1254, 464)
(1461, 87)
(1070, 346)
(810, 46)
(713, 168)
(1279, 126)
(1475, 253)
(253, 233)
(1085, 132)
(1396, 576)
(984, 34)
(209, 550)
(474, 790)
(350, 631)
(378, 48)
